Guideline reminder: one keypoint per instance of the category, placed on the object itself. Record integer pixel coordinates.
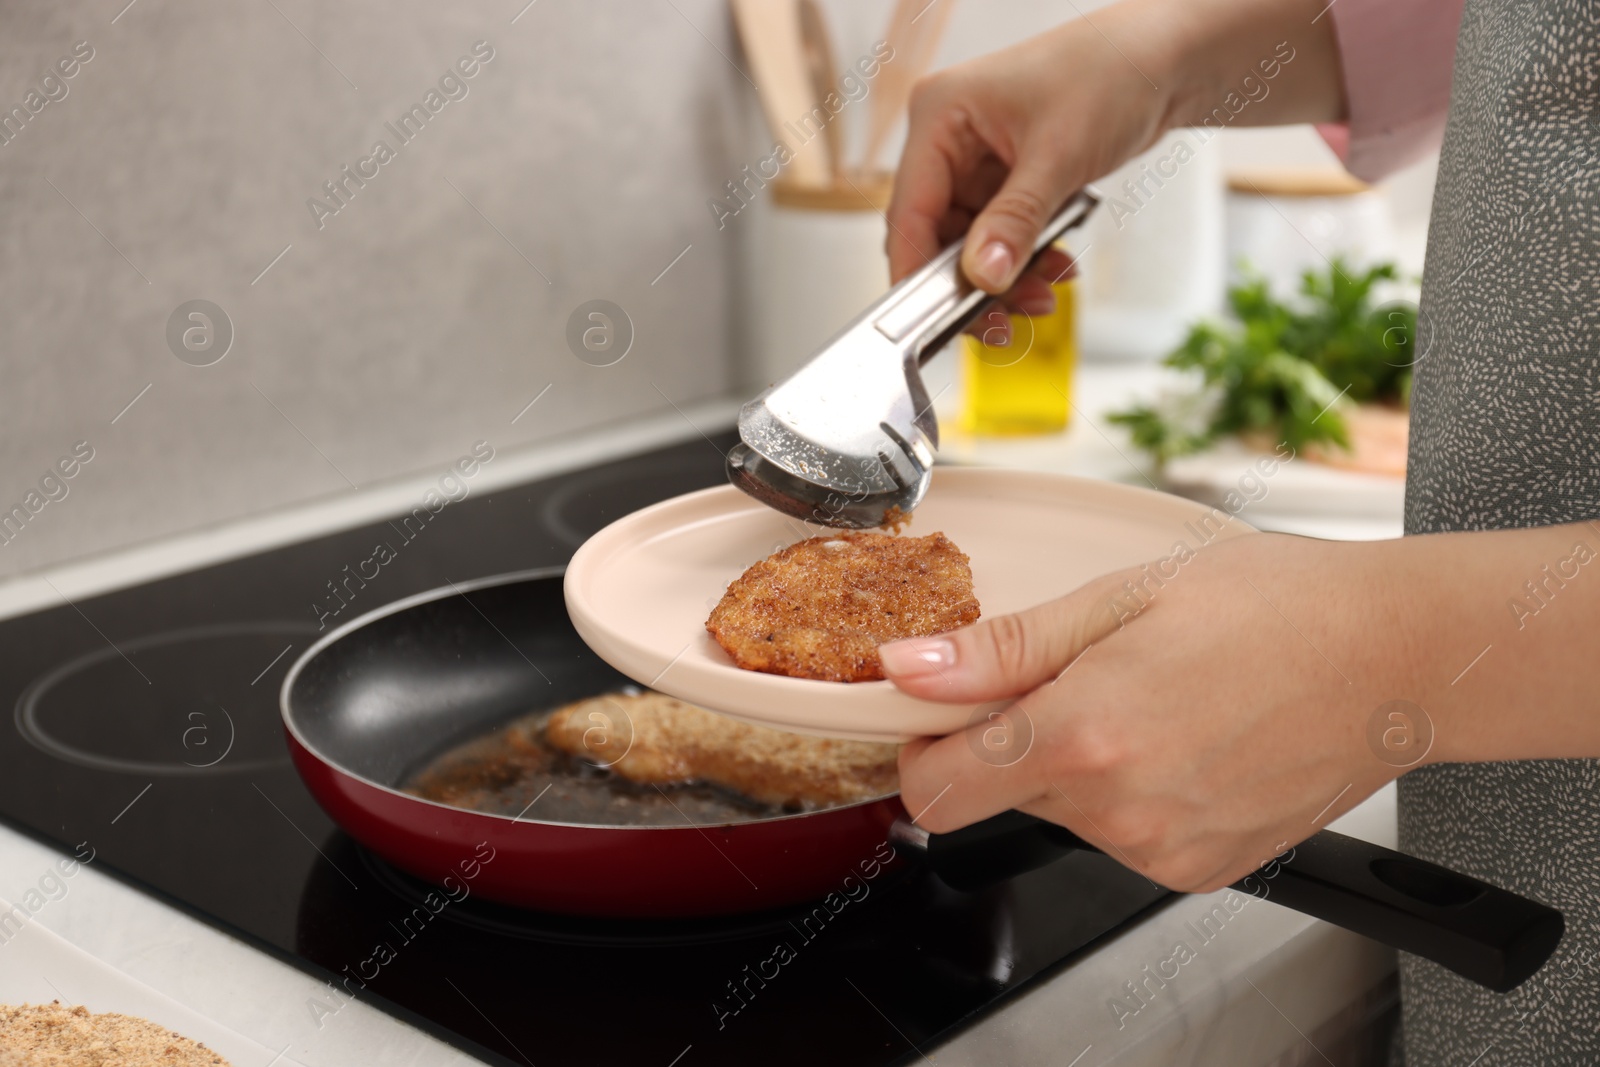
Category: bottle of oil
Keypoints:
(1024, 387)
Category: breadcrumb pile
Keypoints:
(51, 1035)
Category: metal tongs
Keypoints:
(848, 439)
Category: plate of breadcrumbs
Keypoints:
(726, 604)
(61, 1007)
(55, 1035)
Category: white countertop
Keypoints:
(1216, 1011)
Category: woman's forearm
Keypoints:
(1233, 62)
(1502, 633)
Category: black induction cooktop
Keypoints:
(146, 724)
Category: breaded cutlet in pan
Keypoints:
(669, 742)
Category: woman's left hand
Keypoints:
(1191, 718)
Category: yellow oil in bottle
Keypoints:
(1024, 387)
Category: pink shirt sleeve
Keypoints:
(1396, 57)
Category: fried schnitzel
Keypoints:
(653, 738)
(820, 608)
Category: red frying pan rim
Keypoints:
(458, 589)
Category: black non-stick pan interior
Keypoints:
(390, 692)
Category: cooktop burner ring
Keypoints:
(26, 713)
(569, 512)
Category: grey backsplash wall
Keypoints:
(179, 163)
(408, 326)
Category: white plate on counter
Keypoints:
(1299, 487)
(639, 591)
(38, 966)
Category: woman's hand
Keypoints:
(1194, 716)
(998, 144)
(995, 146)
(1191, 718)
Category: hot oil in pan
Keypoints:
(503, 772)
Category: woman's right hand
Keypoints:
(997, 144)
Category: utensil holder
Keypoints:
(818, 260)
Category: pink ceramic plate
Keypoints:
(639, 590)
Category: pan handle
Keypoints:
(1482, 932)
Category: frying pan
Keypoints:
(375, 700)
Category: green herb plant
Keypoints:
(1283, 369)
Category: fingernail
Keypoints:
(918, 656)
(1041, 305)
(994, 264)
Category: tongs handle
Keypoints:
(928, 308)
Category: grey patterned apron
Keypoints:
(1504, 433)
